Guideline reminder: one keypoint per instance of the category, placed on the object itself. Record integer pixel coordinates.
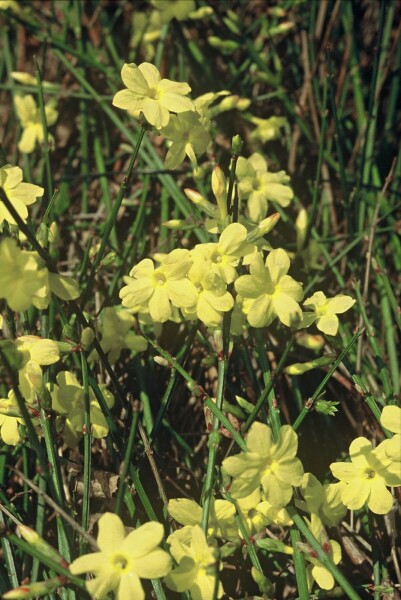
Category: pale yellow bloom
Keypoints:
(197, 569)
(159, 289)
(123, 560)
(20, 194)
(31, 122)
(270, 292)
(148, 93)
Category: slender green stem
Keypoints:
(321, 554)
(87, 451)
(112, 219)
(311, 402)
(299, 565)
(122, 487)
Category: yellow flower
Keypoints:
(316, 571)
(188, 512)
(391, 420)
(154, 96)
(38, 352)
(325, 311)
(189, 137)
(212, 296)
(225, 255)
(68, 399)
(10, 420)
(267, 129)
(160, 289)
(367, 476)
(197, 569)
(20, 194)
(115, 328)
(31, 122)
(258, 186)
(271, 292)
(20, 275)
(323, 500)
(174, 9)
(272, 465)
(123, 560)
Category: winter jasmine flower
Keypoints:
(391, 420)
(31, 121)
(367, 476)
(155, 97)
(267, 129)
(271, 292)
(10, 420)
(161, 288)
(188, 512)
(315, 570)
(258, 186)
(212, 299)
(116, 329)
(38, 352)
(20, 194)
(225, 255)
(174, 9)
(325, 311)
(188, 136)
(323, 500)
(197, 569)
(19, 275)
(68, 399)
(123, 560)
(272, 465)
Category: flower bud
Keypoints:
(263, 228)
(87, 337)
(236, 144)
(219, 188)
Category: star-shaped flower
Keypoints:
(20, 194)
(123, 560)
(148, 93)
(31, 122)
(367, 476)
(271, 292)
(272, 465)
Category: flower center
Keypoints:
(370, 473)
(159, 278)
(119, 562)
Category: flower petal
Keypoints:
(143, 540)
(111, 532)
(153, 565)
(130, 587)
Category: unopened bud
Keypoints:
(174, 224)
(87, 337)
(301, 226)
(37, 589)
(219, 188)
(161, 361)
(201, 201)
(263, 228)
(236, 144)
(34, 539)
(109, 259)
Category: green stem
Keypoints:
(321, 554)
(299, 565)
(87, 452)
(311, 402)
(112, 219)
